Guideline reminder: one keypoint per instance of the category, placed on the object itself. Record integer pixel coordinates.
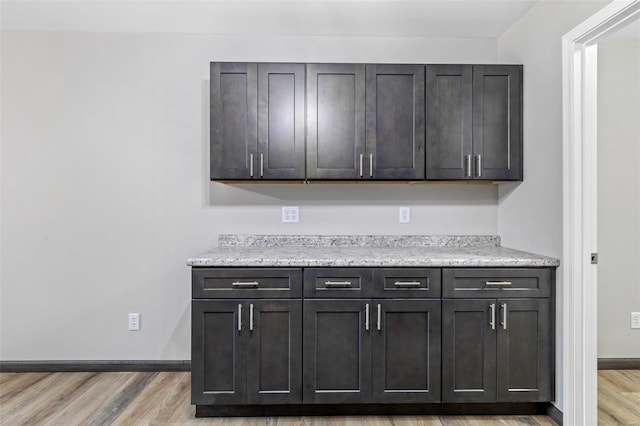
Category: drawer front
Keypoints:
(222, 283)
(406, 283)
(497, 283)
(341, 283)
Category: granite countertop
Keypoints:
(366, 251)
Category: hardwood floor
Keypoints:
(164, 399)
(619, 397)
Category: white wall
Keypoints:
(530, 213)
(618, 197)
(105, 193)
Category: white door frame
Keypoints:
(579, 175)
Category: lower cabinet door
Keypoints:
(218, 352)
(274, 352)
(406, 351)
(469, 350)
(337, 351)
(525, 362)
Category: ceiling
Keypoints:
(389, 18)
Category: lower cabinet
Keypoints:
(497, 350)
(379, 350)
(371, 336)
(246, 352)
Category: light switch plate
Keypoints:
(635, 319)
(290, 214)
(405, 215)
(134, 322)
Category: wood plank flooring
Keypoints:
(164, 399)
(619, 397)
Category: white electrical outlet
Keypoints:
(405, 215)
(635, 319)
(290, 214)
(134, 322)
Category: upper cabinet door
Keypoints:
(449, 143)
(233, 120)
(335, 121)
(280, 121)
(497, 122)
(395, 122)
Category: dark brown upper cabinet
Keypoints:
(257, 121)
(395, 122)
(474, 122)
(335, 120)
(365, 122)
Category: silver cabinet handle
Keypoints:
(251, 317)
(366, 317)
(261, 165)
(497, 283)
(379, 318)
(407, 283)
(479, 165)
(467, 166)
(337, 283)
(239, 317)
(504, 316)
(245, 284)
(370, 165)
(492, 322)
(361, 156)
(251, 165)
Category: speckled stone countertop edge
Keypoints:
(239, 240)
(359, 256)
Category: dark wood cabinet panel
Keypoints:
(341, 283)
(335, 120)
(233, 120)
(525, 356)
(365, 121)
(281, 138)
(336, 351)
(274, 352)
(257, 121)
(449, 125)
(497, 122)
(497, 282)
(395, 122)
(468, 351)
(474, 122)
(406, 282)
(358, 337)
(246, 351)
(406, 351)
(218, 351)
(243, 283)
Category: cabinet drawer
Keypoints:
(338, 282)
(497, 283)
(214, 283)
(406, 283)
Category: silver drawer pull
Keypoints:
(251, 317)
(497, 283)
(239, 317)
(337, 283)
(407, 283)
(379, 327)
(366, 317)
(504, 316)
(245, 284)
(492, 322)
